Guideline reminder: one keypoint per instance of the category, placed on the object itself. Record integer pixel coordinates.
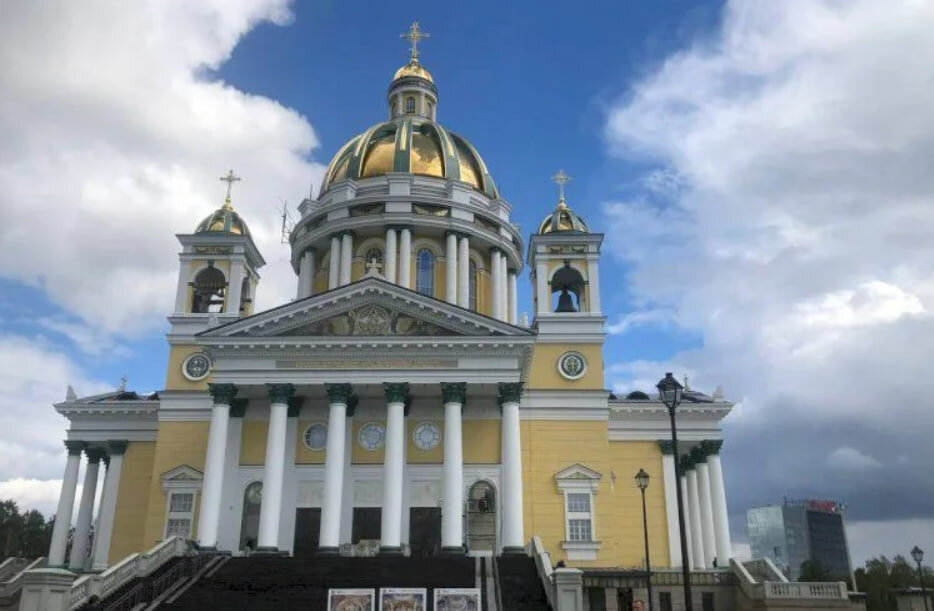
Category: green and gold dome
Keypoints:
(562, 218)
(225, 219)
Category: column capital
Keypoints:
(280, 393)
(454, 392)
(698, 455)
(116, 447)
(238, 407)
(338, 393)
(95, 454)
(222, 393)
(510, 392)
(351, 404)
(711, 446)
(396, 392)
(295, 406)
(666, 446)
(687, 464)
(74, 447)
(496, 249)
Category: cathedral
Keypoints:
(399, 404)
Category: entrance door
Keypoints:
(366, 524)
(249, 521)
(307, 531)
(481, 517)
(425, 531)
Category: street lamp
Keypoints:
(918, 555)
(642, 481)
(669, 391)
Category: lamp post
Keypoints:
(669, 390)
(918, 555)
(642, 481)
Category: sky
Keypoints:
(762, 172)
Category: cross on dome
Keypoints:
(561, 179)
(414, 35)
(230, 179)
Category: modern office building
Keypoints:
(800, 530)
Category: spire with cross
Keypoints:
(230, 179)
(561, 179)
(414, 35)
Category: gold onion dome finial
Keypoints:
(414, 68)
(224, 219)
(562, 218)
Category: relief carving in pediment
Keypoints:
(370, 320)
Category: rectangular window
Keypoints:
(664, 601)
(180, 514)
(579, 530)
(707, 601)
(578, 509)
(578, 502)
(181, 502)
(178, 527)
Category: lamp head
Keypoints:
(642, 479)
(669, 390)
(917, 553)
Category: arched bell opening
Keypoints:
(567, 290)
(245, 298)
(208, 291)
(481, 517)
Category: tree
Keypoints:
(881, 578)
(23, 534)
(812, 570)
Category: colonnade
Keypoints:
(397, 269)
(341, 404)
(705, 513)
(83, 558)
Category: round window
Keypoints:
(572, 365)
(316, 437)
(426, 436)
(372, 436)
(197, 366)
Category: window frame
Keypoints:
(473, 283)
(579, 479)
(430, 273)
(182, 480)
(409, 105)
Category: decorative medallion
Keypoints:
(197, 366)
(254, 493)
(372, 320)
(316, 437)
(572, 365)
(426, 436)
(372, 436)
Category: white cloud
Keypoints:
(637, 319)
(787, 220)
(114, 135)
(889, 538)
(845, 458)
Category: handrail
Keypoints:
(545, 570)
(115, 577)
(807, 590)
(13, 585)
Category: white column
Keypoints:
(541, 288)
(593, 283)
(66, 502)
(347, 487)
(688, 535)
(213, 483)
(706, 510)
(513, 531)
(346, 259)
(389, 263)
(671, 503)
(697, 537)
(181, 292)
(334, 264)
(496, 282)
(329, 539)
(463, 272)
(513, 305)
(79, 541)
(234, 287)
(393, 467)
(450, 280)
(405, 257)
(108, 507)
(274, 470)
(503, 288)
(452, 524)
(721, 522)
(306, 274)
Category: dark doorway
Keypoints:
(425, 531)
(366, 523)
(307, 530)
(481, 517)
(624, 598)
(249, 520)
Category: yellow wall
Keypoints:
(132, 500)
(304, 456)
(550, 446)
(253, 442)
(482, 440)
(543, 373)
(174, 378)
(178, 443)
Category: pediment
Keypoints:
(578, 471)
(368, 308)
(182, 473)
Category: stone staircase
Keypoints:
(520, 585)
(261, 583)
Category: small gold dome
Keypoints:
(563, 219)
(413, 68)
(223, 220)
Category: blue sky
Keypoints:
(754, 166)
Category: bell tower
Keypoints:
(564, 262)
(217, 266)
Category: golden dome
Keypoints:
(223, 220)
(415, 69)
(563, 219)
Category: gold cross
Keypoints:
(230, 179)
(414, 35)
(561, 179)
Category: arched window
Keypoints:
(472, 284)
(208, 291)
(245, 298)
(425, 273)
(374, 256)
(568, 285)
(429, 111)
(410, 105)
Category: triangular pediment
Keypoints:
(577, 471)
(368, 308)
(182, 473)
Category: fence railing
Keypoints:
(11, 586)
(543, 566)
(806, 590)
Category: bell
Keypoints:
(565, 303)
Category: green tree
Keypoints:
(812, 570)
(881, 578)
(23, 534)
